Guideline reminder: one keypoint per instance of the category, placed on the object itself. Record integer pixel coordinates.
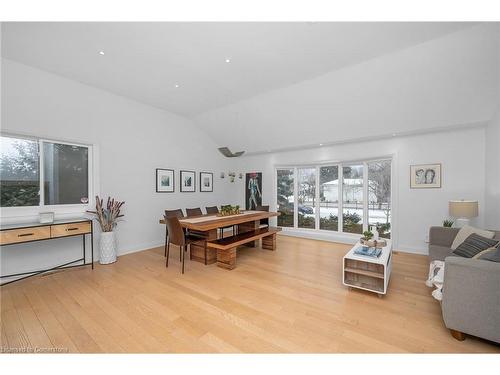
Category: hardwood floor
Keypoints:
(289, 300)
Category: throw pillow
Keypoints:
(488, 250)
(492, 256)
(473, 245)
(466, 231)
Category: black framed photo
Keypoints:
(206, 182)
(165, 180)
(188, 181)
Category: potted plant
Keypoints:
(367, 236)
(448, 223)
(108, 218)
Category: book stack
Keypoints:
(372, 252)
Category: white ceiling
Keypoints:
(144, 61)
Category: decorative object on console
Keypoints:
(188, 181)
(206, 182)
(447, 223)
(46, 217)
(463, 211)
(253, 192)
(222, 175)
(425, 176)
(231, 175)
(108, 219)
(164, 180)
(240, 176)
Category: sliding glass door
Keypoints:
(306, 197)
(285, 197)
(379, 196)
(329, 197)
(352, 198)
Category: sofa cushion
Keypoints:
(473, 245)
(466, 231)
(493, 255)
(437, 252)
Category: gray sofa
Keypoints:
(471, 291)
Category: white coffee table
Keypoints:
(368, 273)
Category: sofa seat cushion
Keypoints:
(466, 231)
(437, 252)
(474, 244)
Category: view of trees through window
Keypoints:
(375, 208)
(65, 173)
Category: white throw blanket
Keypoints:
(436, 278)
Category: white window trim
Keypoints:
(25, 213)
(308, 232)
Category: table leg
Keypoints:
(198, 249)
(226, 258)
(247, 227)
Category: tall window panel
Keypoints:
(65, 172)
(379, 196)
(306, 197)
(352, 198)
(329, 198)
(19, 172)
(285, 197)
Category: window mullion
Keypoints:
(317, 208)
(340, 215)
(295, 198)
(41, 174)
(365, 197)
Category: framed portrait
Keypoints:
(425, 176)
(253, 190)
(206, 182)
(164, 180)
(188, 181)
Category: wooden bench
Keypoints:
(226, 247)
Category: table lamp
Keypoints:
(463, 210)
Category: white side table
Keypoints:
(368, 273)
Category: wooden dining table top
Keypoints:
(212, 221)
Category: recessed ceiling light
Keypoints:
(321, 144)
(393, 134)
(101, 53)
(228, 60)
(176, 86)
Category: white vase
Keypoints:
(107, 248)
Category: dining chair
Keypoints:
(171, 213)
(212, 210)
(193, 212)
(264, 223)
(179, 238)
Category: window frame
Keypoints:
(73, 208)
(340, 164)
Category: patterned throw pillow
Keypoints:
(473, 245)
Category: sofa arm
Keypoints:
(442, 236)
(471, 297)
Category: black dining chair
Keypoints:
(193, 212)
(171, 213)
(212, 210)
(179, 238)
(264, 223)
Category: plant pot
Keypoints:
(107, 248)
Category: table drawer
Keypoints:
(24, 235)
(63, 230)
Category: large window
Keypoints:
(360, 192)
(43, 173)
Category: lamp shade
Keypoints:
(464, 209)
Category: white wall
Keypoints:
(462, 156)
(441, 83)
(132, 139)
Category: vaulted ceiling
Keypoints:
(146, 61)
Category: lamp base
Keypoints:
(461, 222)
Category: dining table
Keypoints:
(206, 226)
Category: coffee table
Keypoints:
(364, 272)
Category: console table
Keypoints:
(11, 234)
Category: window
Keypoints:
(285, 197)
(360, 191)
(43, 173)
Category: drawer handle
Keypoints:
(68, 229)
(25, 234)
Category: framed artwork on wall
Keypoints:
(425, 176)
(206, 182)
(188, 181)
(164, 180)
(253, 190)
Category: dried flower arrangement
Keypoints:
(107, 217)
(229, 210)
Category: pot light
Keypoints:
(393, 134)
(176, 86)
(321, 144)
(228, 60)
(101, 53)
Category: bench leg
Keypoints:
(226, 258)
(247, 227)
(269, 242)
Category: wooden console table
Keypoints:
(12, 234)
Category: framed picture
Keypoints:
(188, 181)
(425, 176)
(253, 190)
(164, 180)
(206, 182)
